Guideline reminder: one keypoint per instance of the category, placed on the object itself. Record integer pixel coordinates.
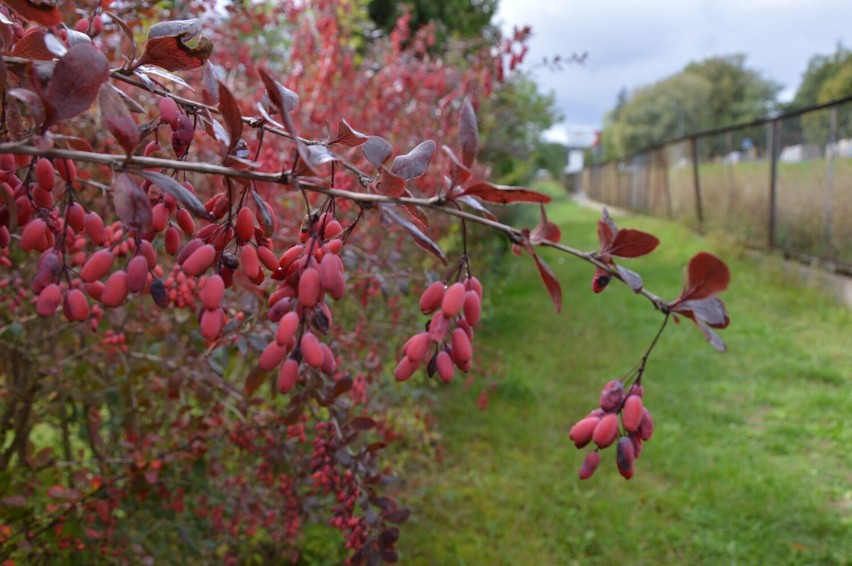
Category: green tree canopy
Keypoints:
(463, 18)
(820, 82)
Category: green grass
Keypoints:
(751, 462)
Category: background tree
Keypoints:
(465, 19)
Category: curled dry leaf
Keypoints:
(167, 46)
(705, 276)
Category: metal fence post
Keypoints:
(774, 135)
(829, 180)
(696, 181)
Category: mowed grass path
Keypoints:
(751, 461)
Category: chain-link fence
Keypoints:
(784, 183)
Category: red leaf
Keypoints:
(420, 238)
(390, 184)
(468, 134)
(545, 230)
(264, 217)
(167, 48)
(606, 230)
(131, 203)
(711, 310)
(362, 423)
(233, 117)
(477, 206)
(213, 75)
(32, 46)
(255, 379)
(414, 163)
(117, 119)
(503, 195)
(459, 172)
(550, 281)
(418, 216)
(705, 276)
(633, 243)
(75, 83)
(377, 150)
(397, 515)
(39, 11)
(347, 136)
(186, 197)
(281, 96)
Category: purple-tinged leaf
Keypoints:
(550, 281)
(341, 386)
(420, 238)
(213, 75)
(144, 70)
(705, 276)
(186, 197)
(606, 230)
(362, 423)
(131, 203)
(32, 46)
(417, 215)
(347, 136)
(631, 278)
(711, 310)
(117, 119)
(167, 48)
(633, 243)
(391, 185)
(545, 230)
(231, 114)
(459, 172)
(75, 83)
(504, 195)
(41, 12)
(281, 96)
(414, 163)
(31, 100)
(377, 150)
(468, 134)
(397, 515)
(711, 336)
(72, 36)
(256, 377)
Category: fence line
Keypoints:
(782, 183)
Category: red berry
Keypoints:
(76, 217)
(94, 226)
(444, 365)
(646, 427)
(462, 351)
(624, 456)
(172, 240)
(200, 260)
(249, 261)
(631, 414)
(159, 217)
(267, 258)
(115, 289)
(472, 307)
(97, 266)
(272, 356)
(288, 376)
(66, 169)
(417, 346)
(611, 395)
(309, 287)
(34, 236)
(245, 224)
(606, 431)
(581, 433)
(287, 327)
(404, 369)
(453, 300)
(212, 322)
(185, 221)
(590, 464)
(137, 273)
(311, 351)
(169, 111)
(431, 298)
(75, 307)
(213, 292)
(45, 174)
(48, 300)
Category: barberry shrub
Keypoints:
(197, 252)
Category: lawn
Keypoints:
(750, 462)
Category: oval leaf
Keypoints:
(705, 276)
(76, 81)
(347, 136)
(550, 281)
(255, 379)
(633, 243)
(377, 150)
(468, 134)
(39, 11)
(233, 117)
(131, 203)
(414, 163)
(186, 197)
(504, 195)
(117, 119)
(420, 238)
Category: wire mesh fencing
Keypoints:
(783, 183)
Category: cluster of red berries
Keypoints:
(309, 272)
(601, 427)
(458, 305)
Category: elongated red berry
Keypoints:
(417, 346)
(169, 110)
(631, 414)
(624, 456)
(267, 258)
(404, 369)
(311, 351)
(97, 265)
(331, 277)
(34, 236)
(646, 427)
(245, 224)
(432, 297)
(590, 464)
(185, 221)
(94, 227)
(115, 289)
(444, 365)
(48, 300)
(288, 375)
(172, 240)
(329, 364)
(213, 292)
(309, 287)
(249, 261)
(581, 433)
(200, 260)
(472, 307)
(212, 323)
(611, 395)
(462, 349)
(75, 307)
(76, 217)
(473, 284)
(137, 273)
(44, 174)
(453, 300)
(606, 431)
(272, 355)
(66, 169)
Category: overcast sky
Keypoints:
(631, 43)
